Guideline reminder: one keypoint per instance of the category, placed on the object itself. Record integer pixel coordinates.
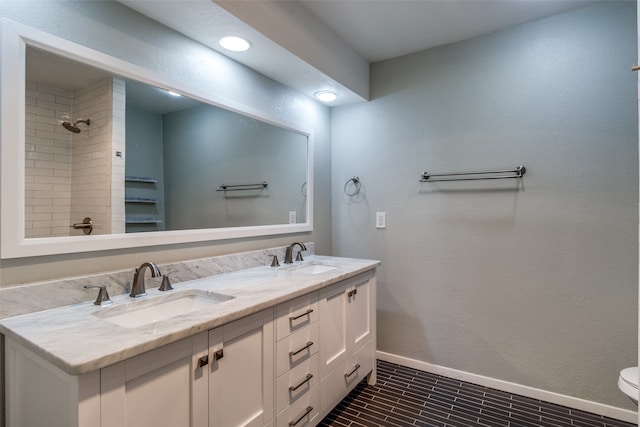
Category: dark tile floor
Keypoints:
(408, 397)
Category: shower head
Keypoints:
(73, 127)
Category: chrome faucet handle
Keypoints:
(275, 262)
(103, 297)
(166, 284)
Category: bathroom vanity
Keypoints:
(258, 347)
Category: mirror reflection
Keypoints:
(137, 158)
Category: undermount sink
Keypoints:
(312, 268)
(152, 310)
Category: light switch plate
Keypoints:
(381, 220)
(292, 217)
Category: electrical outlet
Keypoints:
(292, 217)
(381, 220)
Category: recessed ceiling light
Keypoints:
(326, 95)
(235, 44)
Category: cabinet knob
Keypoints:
(218, 354)
(203, 361)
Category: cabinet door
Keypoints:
(332, 305)
(346, 321)
(360, 315)
(347, 336)
(164, 387)
(241, 372)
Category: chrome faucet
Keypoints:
(288, 255)
(137, 288)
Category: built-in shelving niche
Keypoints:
(142, 212)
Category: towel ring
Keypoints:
(303, 189)
(356, 184)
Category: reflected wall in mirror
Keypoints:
(111, 141)
(137, 158)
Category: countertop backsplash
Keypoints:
(28, 298)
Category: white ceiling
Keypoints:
(383, 29)
(346, 34)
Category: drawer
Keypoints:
(294, 384)
(296, 348)
(364, 358)
(301, 413)
(336, 384)
(294, 315)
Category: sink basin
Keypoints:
(312, 268)
(148, 311)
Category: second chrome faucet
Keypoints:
(137, 287)
(288, 256)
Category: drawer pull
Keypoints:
(306, 313)
(218, 354)
(203, 361)
(293, 353)
(306, 380)
(347, 375)
(306, 412)
(352, 293)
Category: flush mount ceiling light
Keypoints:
(172, 93)
(326, 95)
(235, 43)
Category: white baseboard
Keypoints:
(509, 387)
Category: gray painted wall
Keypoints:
(536, 284)
(207, 146)
(111, 28)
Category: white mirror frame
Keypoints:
(15, 38)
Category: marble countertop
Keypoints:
(76, 338)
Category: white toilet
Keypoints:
(628, 383)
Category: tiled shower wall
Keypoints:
(91, 157)
(48, 162)
(71, 176)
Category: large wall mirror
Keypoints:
(149, 161)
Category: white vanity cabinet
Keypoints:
(285, 366)
(347, 335)
(223, 378)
